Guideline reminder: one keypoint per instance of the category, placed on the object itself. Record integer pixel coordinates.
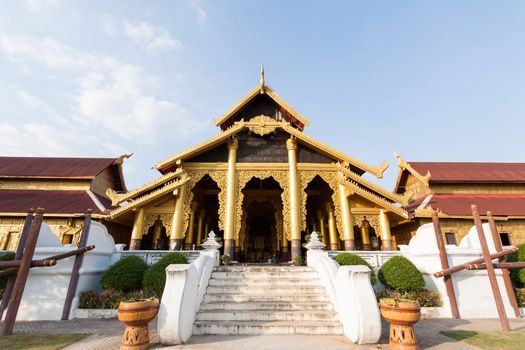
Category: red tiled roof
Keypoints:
(461, 172)
(499, 204)
(54, 202)
(41, 167)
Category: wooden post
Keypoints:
(476, 261)
(490, 270)
(18, 255)
(73, 282)
(23, 271)
(505, 272)
(504, 265)
(444, 265)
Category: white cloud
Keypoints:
(36, 6)
(202, 16)
(109, 25)
(153, 38)
(108, 99)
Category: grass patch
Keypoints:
(39, 341)
(489, 340)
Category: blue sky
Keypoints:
(434, 81)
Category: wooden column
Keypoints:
(295, 227)
(176, 234)
(348, 227)
(386, 236)
(322, 229)
(200, 229)
(332, 228)
(504, 322)
(365, 234)
(229, 231)
(505, 272)
(190, 237)
(136, 233)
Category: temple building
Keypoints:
(452, 187)
(262, 184)
(64, 187)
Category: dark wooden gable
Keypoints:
(270, 148)
(218, 154)
(261, 104)
(305, 154)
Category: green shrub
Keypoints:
(155, 276)
(425, 297)
(89, 300)
(108, 299)
(520, 296)
(5, 257)
(353, 259)
(399, 274)
(125, 275)
(517, 275)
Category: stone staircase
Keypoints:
(250, 300)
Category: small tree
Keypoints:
(155, 276)
(353, 259)
(125, 275)
(401, 275)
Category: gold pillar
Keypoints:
(348, 227)
(136, 233)
(229, 230)
(386, 236)
(157, 232)
(322, 230)
(332, 228)
(188, 244)
(365, 234)
(200, 226)
(295, 227)
(176, 234)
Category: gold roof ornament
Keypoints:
(261, 83)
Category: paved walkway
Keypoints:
(105, 334)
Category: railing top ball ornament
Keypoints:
(314, 243)
(211, 243)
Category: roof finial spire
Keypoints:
(262, 78)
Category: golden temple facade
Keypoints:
(262, 185)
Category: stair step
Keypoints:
(268, 305)
(293, 289)
(264, 297)
(270, 327)
(263, 274)
(264, 269)
(264, 282)
(266, 315)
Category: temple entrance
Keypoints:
(261, 228)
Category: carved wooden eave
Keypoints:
(214, 141)
(341, 157)
(117, 199)
(354, 187)
(263, 125)
(118, 163)
(404, 165)
(403, 200)
(142, 200)
(261, 89)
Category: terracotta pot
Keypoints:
(401, 317)
(136, 316)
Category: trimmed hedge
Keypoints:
(5, 257)
(517, 275)
(399, 274)
(124, 275)
(155, 276)
(353, 259)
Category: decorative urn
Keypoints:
(402, 315)
(136, 315)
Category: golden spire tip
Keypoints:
(262, 78)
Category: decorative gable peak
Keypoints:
(262, 100)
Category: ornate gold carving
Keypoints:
(406, 165)
(262, 125)
(233, 144)
(243, 176)
(373, 220)
(220, 177)
(150, 218)
(291, 144)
